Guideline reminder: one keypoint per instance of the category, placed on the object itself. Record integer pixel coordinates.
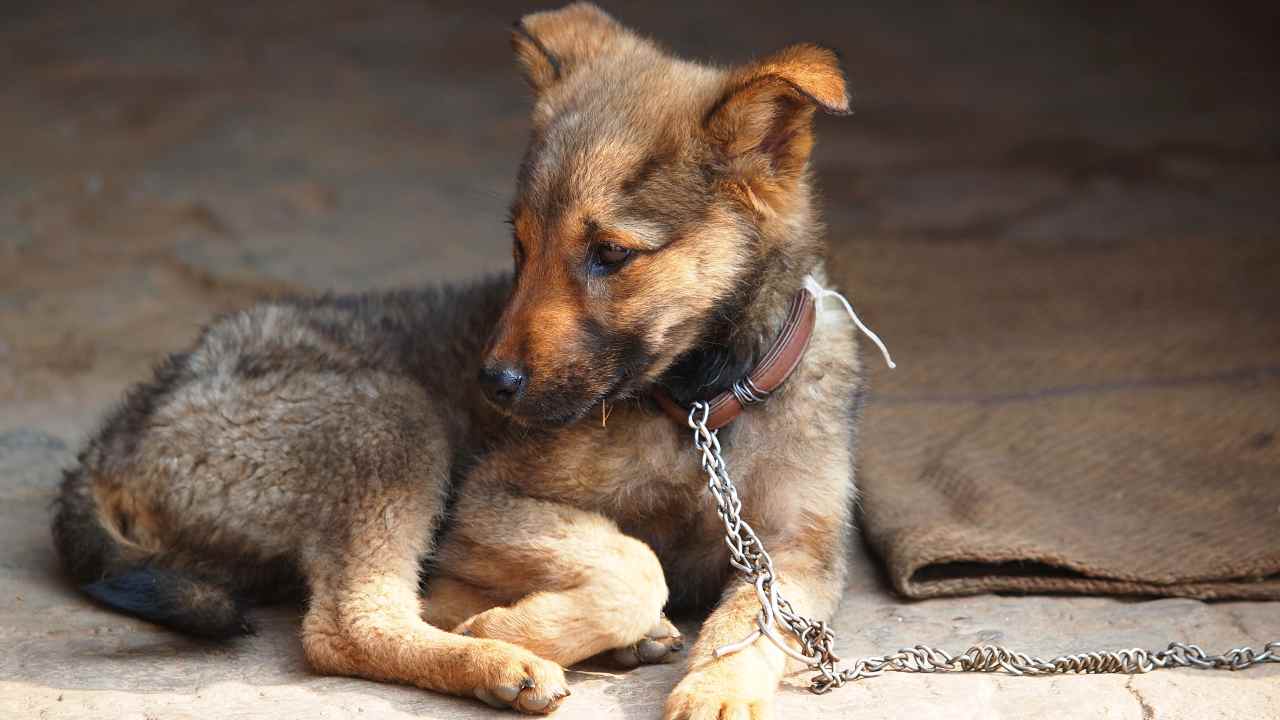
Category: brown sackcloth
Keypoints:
(1072, 416)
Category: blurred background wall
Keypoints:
(161, 161)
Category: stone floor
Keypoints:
(164, 162)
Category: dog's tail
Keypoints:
(94, 544)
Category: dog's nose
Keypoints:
(502, 384)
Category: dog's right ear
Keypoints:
(762, 122)
(552, 44)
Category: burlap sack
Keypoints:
(1080, 418)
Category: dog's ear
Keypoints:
(763, 120)
(552, 44)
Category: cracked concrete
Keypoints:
(168, 162)
(1148, 712)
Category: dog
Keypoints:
(475, 487)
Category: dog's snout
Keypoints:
(503, 384)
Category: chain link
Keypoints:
(816, 641)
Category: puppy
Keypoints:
(515, 443)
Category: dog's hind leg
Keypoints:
(580, 587)
(363, 620)
(449, 603)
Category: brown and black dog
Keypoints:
(343, 446)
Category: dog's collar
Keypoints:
(768, 375)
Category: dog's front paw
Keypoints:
(512, 677)
(724, 690)
(659, 645)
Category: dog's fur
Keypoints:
(342, 445)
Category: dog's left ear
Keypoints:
(763, 121)
(552, 44)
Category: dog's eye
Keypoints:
(609, 256)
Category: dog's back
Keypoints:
(195, 493)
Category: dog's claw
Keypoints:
(525, 683)
(626, 657)
(659, 645)
(526, 698)
(535, 703)
(651, 651)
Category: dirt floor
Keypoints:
(163, 162)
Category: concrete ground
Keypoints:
(166, 161)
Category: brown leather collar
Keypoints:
(773, 369)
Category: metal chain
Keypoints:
(748, 555)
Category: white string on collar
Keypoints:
(819, 293)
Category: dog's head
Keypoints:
(654, 191)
